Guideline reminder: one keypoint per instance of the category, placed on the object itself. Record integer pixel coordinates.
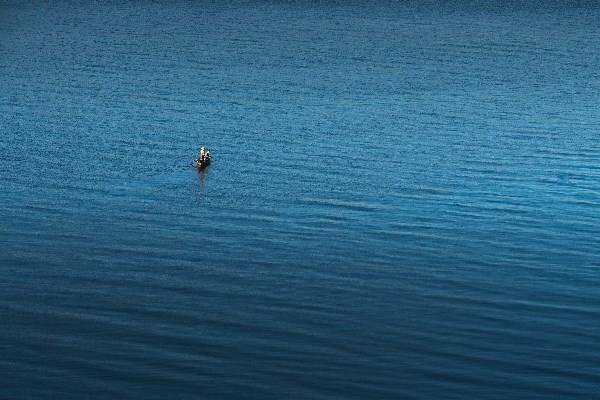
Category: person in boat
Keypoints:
(203, 156)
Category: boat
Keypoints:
(201, 164)
(203, 159)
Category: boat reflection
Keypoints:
(202, 173)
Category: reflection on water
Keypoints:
(202, 174)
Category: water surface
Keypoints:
(404, 200)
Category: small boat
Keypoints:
(201, 164)
(203, 159)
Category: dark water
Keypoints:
(404, 203)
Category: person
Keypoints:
(201, 154)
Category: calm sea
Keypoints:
(404, 201)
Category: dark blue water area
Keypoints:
(404, 200)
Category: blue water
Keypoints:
(404, 200)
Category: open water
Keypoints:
(404, 201)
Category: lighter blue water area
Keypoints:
(404, 201)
